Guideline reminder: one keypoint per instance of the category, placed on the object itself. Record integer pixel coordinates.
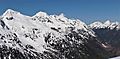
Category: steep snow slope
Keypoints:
(44, 36)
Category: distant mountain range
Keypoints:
(44, 36)
(109, 32)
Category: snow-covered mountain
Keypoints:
(44, 36)
(107, 24)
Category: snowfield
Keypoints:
(115, 58)
(44, 36)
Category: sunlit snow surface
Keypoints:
(107, 24)
(31, 30)
(115, 58)
(47, 37)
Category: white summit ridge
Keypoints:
(107, 24)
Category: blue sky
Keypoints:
(86, 10)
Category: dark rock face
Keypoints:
(2, 23)
(112, 37)
(9, 18)
(11, 53)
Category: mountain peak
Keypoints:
(41, 14)
(96, 25)
(10, 12)
(61, 15)
(108, 22)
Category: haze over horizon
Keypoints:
(86, 10)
